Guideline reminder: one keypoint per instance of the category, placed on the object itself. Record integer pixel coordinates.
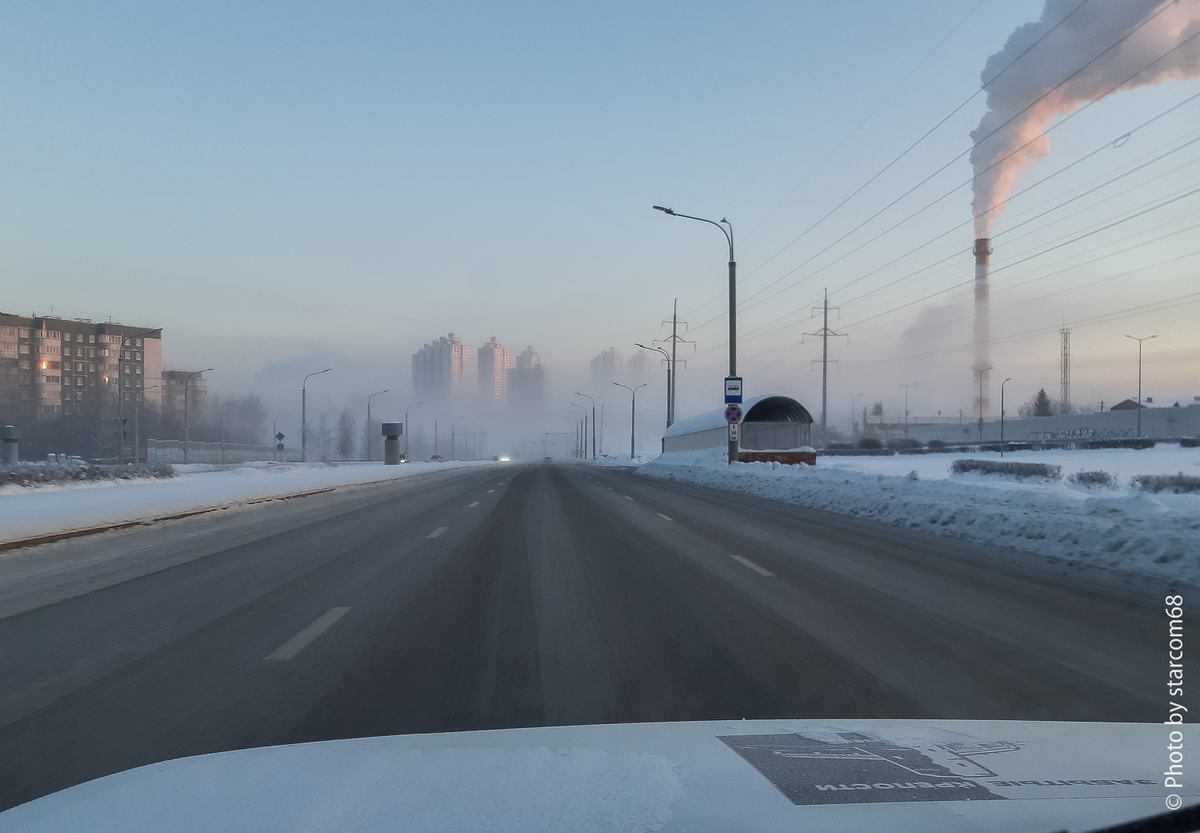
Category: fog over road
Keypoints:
(510, 595)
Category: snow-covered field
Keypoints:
(27, 512)
(1121, 528)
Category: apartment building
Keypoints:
(494, 362)
(440, 367)
(52, 367)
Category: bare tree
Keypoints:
(323, 438)
(345, 431)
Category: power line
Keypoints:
(907, 150)
(999, 161)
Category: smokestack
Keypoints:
(983, 251)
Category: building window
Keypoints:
(79, 394)
(91, 339)
(91, 381)
(138, 370)
(23, 364)
(79, 380)
(91, 367)
(91, 352)
(126, 396)
(66, 380)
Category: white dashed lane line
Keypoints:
(490, 491)
(665, 517)
(627, 497)
(472, 505)
(302, 640)
(751, 565)
(437, 532)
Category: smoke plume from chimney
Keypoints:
(1009, 137)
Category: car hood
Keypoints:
(764, 775)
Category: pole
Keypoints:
(408, 432)
(304, 414)
(369, 434)
(593, 401)
(906, 387)
(825, 368)
(1139, 400)
(672, 377)
(187, 381)
(727, 229)
(632, 414)
(1002, 384)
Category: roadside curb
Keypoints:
(52, 537)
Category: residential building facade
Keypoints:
(440, 367)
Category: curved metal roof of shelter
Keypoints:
(771, 408)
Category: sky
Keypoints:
(287, 187)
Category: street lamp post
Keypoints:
(633, 414)
(979, 371)
(670, 374)
(223, 407)
(593, 401)
(583, 436)
(407, 432)
(304, 414)
(906, 387)
(853, 398)
(121, 395)
(1139, 407)
(1002, 384)
(435, 431)
(187, 381)
(726, 229)
(275, 432)
(369, 432)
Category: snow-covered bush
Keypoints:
(1089, 479)
(1019, 470)
(1178, 483)
(33, 474)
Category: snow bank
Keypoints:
(27, 512)
(1122, 528)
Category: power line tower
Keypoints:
(825, 333)
(1064, 400)
(675, 339)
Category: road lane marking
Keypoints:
(300, 641)
(437, 532)
(751, 565)
(490, 491)
(665, 517)
(627, 497)
(472, 505)
(609, 488)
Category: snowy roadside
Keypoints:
(27, 512)
(1123, 529)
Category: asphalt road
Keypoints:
(511, 596)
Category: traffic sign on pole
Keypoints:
(279, 436)
(733, 432)
(733, 413)
(733, 390)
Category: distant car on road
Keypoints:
(437, 458)
(547, 459)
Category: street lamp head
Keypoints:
(663, 210)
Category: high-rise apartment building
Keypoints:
(527, 378)
(494, 362)
(607, 367)
(440, 367)
(74, 367)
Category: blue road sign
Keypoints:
(733, 413)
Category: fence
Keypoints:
(171, 451)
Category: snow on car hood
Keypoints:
(764, 775)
